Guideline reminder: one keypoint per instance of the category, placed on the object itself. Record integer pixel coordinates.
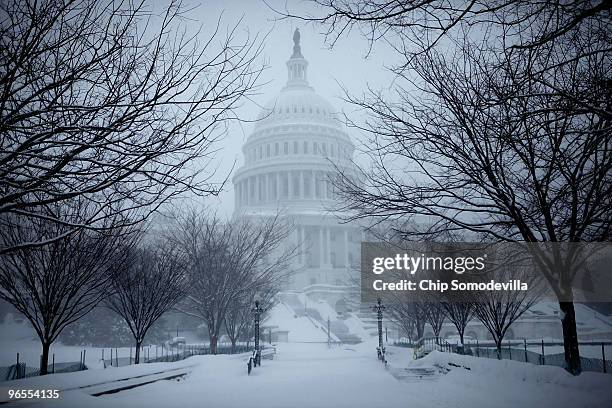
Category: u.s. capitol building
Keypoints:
(289, 160)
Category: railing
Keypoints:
(20, 370)
(254, 360)
(522, 350)
(426, 345)
(116, 357)
(516, 349)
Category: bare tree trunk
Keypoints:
(498, 346)
(213, 343)
(44, 358)
(420, 328)
(570, 338)
(137, 355)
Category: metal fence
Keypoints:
(155, 354)
(22, 370)
(517, 350)
(115, 357)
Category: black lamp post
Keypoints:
(378, 308)
(257, 310)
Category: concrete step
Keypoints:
(415, 374)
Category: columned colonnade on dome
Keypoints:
(283, 185)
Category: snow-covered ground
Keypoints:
(21, 338)
(313, 375)
(301, 328)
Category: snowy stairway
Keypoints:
(415, 374)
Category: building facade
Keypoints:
(290, 158)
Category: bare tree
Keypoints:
(416, 26)
(506, 136)
(494, 144)
(229, 262)
(239, 317)
(459, 313)
(499, 309)
(56, 284)
(435, 314)
(409, 314)
(97, 104)
(152, 282)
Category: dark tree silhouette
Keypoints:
(506, 145)
(498, 123)
(498, 310)
(152, 282)
(229, 262)
(435, 315)
(238, 320)
(110, 103)
(460, 314)
(56, 284)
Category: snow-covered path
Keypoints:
(311, 375)
(301, 375)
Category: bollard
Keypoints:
(509, 350)
(53, 364)
(603, 358)
(525, 344)
(111, 358)
(84, 355)
(116, 357)
(18, 367)
(543, 358)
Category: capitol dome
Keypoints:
(290, 159)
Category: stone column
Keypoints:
(324, 185)
(302, 192)
(245, 192)
(250, 190)
(266, 187)
(329, 247)
(321, 250)
(277, 195)
(346, 248)
(301, 245)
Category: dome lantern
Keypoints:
(297, 64)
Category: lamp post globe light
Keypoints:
(379, 308)
(257, 310)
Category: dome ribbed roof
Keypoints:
(298, 105)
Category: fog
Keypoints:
(348, 65)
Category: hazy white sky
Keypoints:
(347, 65)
